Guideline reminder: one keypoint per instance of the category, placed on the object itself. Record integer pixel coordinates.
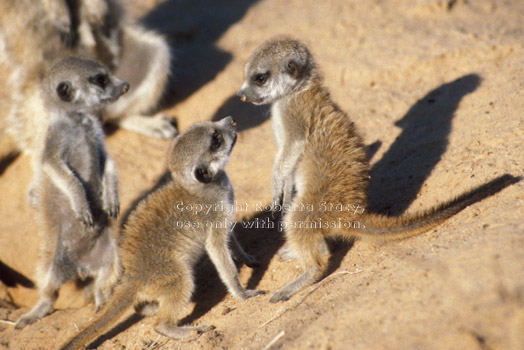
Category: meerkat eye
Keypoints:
(65, 91)
(216, 140)
(260, 79)
(100, 80)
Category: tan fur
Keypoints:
(159, 256)
(322, 159)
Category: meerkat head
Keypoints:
(200, 154)
(77, 84)
(279, 67)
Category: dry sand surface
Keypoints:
(436, 88)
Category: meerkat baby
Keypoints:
(76, 186)
(165, 236)
(321, 163)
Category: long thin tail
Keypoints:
(385, 227)
(121, 300)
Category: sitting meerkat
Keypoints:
(321, 161)
(76, 187)
(161, 243)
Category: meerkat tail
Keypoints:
(121, 300)
(384, 227)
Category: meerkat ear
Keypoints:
(203, 174)
(65, 91)
(293, 69)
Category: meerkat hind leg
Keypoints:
(306, 244)
(103, 284)
(147, 308)
(173, 297)
(287, 253)
(169, 309)
(48, 296)
(159, 125)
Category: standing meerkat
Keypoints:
(166, 234)
(35, 34)
(76, 187)
(321, 166)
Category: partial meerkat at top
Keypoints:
(161, 244)
(76, 186)
(321, 160)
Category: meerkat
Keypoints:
(77, 186)
(321, 166)
(165, 235)
(35, 34)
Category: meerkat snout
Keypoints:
(240, 94)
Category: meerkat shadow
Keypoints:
(398, 176)
(338, 249)
(6, 161)
(209, 290)
(11, 278)
(261, 237)
(119, 328)
(193, 27)
(245, 114)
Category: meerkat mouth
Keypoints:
(258, 101)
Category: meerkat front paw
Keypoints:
(84, 216)
(111, 205)
(23, 321)
(27, 319)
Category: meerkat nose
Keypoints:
(230, 120)
(241, 95)
(125, 88)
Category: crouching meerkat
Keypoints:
(321, 161)
(76, 191)
(164, 236)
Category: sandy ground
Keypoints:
(437, 91)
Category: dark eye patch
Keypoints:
(260, 79)
(216, 140)
(203, 175)
(65, 91)
(100, 80)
